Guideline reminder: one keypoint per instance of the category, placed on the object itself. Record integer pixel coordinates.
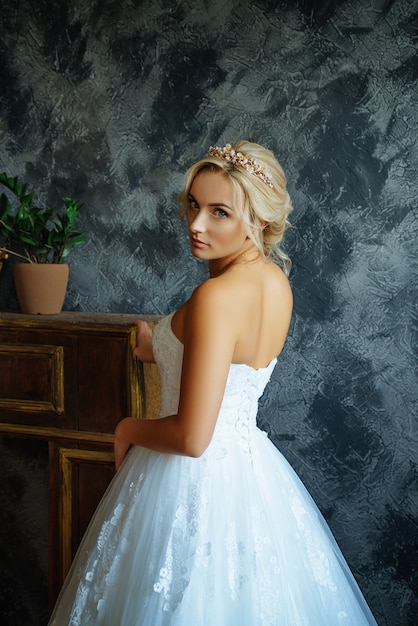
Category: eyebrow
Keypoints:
(212, 204)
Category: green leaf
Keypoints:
(46, 234)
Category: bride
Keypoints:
(205, 522)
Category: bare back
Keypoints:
(258, 304)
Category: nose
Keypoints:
(197, 223)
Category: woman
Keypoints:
(205, 523)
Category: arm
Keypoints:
(143, 350)
(209, 341)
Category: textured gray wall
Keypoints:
(109, 102)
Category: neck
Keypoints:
(247, 257)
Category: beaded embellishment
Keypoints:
(251, 165)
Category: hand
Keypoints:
(143, 350)
(121, 444)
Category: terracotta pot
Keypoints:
(40, 287)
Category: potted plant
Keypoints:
(41, 238)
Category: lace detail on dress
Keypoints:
(183, 549)
(168, 354)
(316, 549)
(105, 568)
(236, 425)
(235, 549)
(267, 570)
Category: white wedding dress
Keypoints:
(231, 538)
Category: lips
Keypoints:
(197, 243)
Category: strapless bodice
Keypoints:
(244, 387)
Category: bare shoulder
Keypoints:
(281, 281)
(243, 286)
(206, 307)
(210, 302)
(210, 291)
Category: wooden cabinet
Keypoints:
(68, 379)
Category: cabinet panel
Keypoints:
(47, 390)
(84, 475)
(32, 378)
(109, 381)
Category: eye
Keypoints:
(220, 213)
(193, 206)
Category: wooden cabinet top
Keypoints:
(72, 319)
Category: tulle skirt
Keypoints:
(228, 540)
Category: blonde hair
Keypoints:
(265, 209)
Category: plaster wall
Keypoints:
(109, 102)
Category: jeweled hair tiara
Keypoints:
(251, 165)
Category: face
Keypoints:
(216, 229)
